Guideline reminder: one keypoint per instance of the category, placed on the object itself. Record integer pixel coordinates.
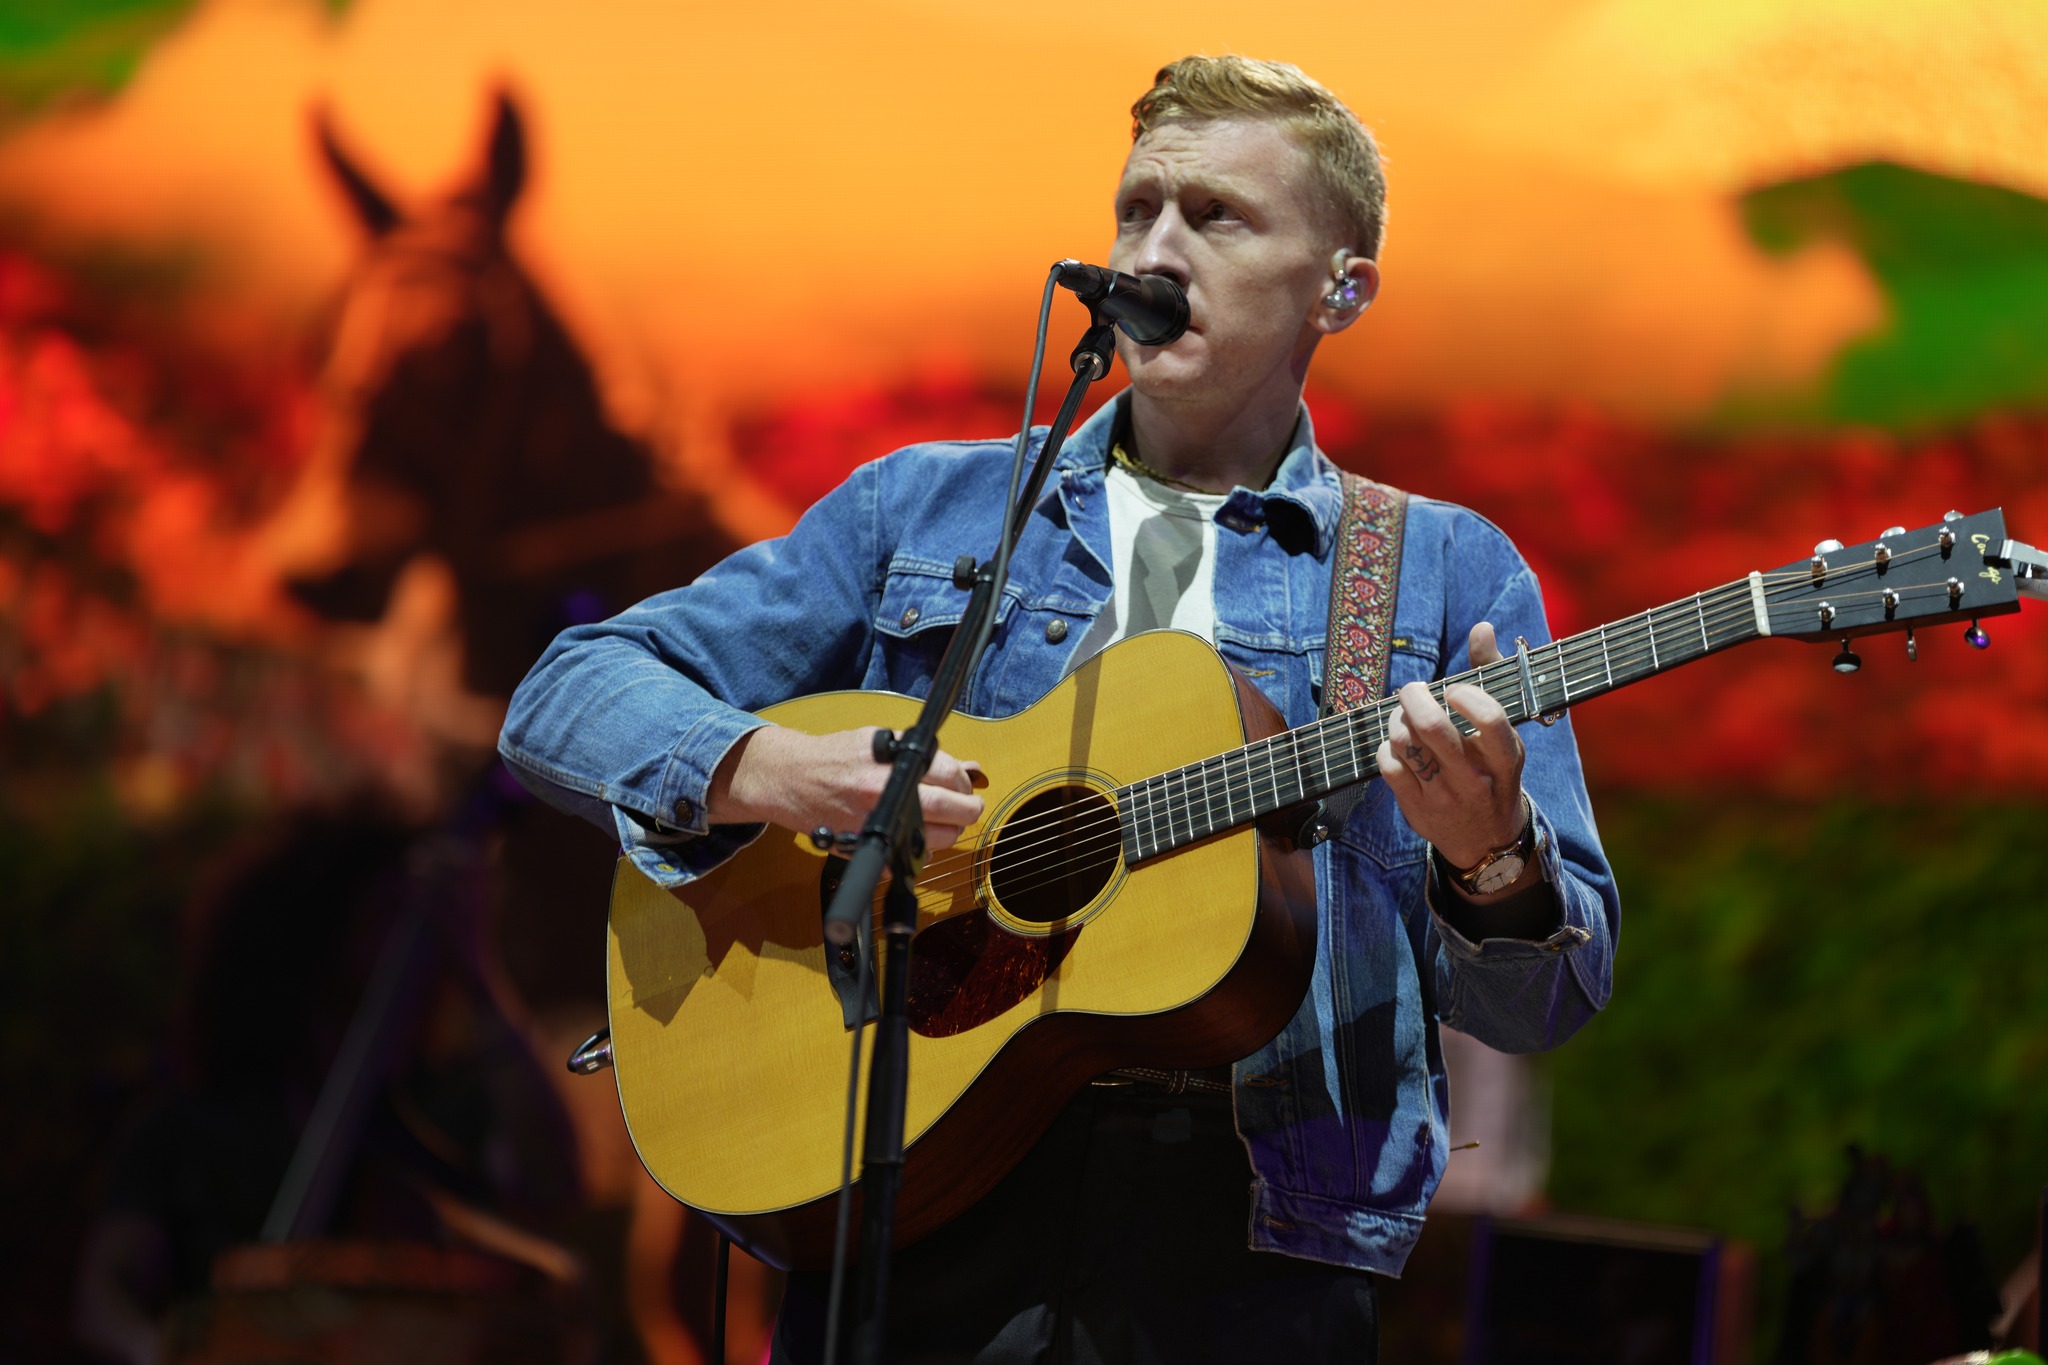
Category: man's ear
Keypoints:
(1364, 275)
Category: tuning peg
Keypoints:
(1827, 547)
(1912, 647)
(1848, 661)
(1977, 637)
(1891, 531)
(1951, 515)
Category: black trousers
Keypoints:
(1120, 1240)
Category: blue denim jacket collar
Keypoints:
(1306, 479)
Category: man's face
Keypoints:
(1227, 209)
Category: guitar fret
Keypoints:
(1211, 794)
(1151, 817)
(1606, 661)
(1162, 808)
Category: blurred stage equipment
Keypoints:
(489, 1291)
(1877, 1280)
(1581, 1290)
(1564, 1290)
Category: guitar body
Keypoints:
(1043, 958)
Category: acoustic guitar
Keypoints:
(1130, 896)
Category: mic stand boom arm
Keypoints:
(893, 839)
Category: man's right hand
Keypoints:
(799, 781)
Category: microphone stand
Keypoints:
(893, 838)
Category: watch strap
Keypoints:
(1523, 846)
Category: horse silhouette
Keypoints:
(464, 431)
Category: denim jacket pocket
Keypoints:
(1413, 659)
(1375, 827)
(914, 622)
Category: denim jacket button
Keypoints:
(685, 812)
(909, 618)
(1055, 631)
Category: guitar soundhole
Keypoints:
(1055, 854)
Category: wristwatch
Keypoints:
(1501, 867)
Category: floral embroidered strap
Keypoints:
(1365, 570)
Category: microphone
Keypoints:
(1150, 309)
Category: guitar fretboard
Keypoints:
(1186, 804)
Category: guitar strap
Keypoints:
(1365, 572)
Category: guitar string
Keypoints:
(1599, 664)
(1599, 670)
(1109, 820)
(1092, 833)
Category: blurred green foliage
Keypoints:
(56, 50)
(1964, 270)
(1792, 980)
(59, 49)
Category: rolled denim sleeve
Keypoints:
(625, 721)
(1521, 995)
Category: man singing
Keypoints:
(1245, 1218)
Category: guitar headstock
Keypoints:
(1950, 571)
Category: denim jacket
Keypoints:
(1344, 1113)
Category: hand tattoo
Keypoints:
(1426, 771)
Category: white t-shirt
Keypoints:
(1163, 559)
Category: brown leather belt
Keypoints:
(1211, 1081)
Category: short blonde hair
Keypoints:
(1341, 150)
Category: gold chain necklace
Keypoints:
(1138, 466)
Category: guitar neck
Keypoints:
(1183, 805)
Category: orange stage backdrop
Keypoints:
(790, 237)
